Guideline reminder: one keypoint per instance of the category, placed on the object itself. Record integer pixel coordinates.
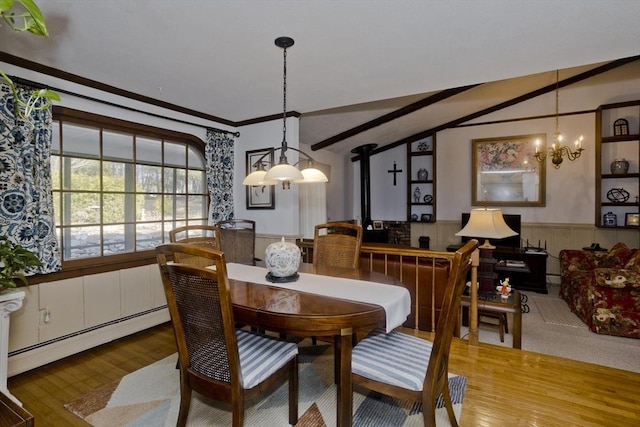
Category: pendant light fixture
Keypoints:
(283, 171)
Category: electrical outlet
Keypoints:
(45, 316)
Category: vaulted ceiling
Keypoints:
(353, 61)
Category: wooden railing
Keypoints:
(423, 272)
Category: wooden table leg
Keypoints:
(344, 386)
(517, 322)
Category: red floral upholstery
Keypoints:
(603, 288)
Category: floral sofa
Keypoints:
(603, 288)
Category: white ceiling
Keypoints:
(218, 56)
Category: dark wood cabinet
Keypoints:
(531, 278)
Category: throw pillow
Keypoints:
(619, 254)
(634, 261)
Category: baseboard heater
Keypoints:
(45, 352)
(85, 331)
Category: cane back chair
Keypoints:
(216, 359)
(337, 244)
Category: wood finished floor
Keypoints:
(506, 387)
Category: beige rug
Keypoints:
(150, 397)
(557, 312)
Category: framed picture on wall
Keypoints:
(506, 173)
(632, 219)
(260, 196)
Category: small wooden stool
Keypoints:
(503, 323)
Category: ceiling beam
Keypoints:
(425, 102)
(549, 88)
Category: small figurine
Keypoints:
(416, 195)
(504, 288)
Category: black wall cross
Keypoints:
(394, 172)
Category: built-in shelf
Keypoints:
(609, 147)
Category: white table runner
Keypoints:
(395, 300)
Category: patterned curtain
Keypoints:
(26, 199)
(219, 158)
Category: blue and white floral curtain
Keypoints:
(219, 159)
(26, 199)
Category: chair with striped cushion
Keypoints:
(407, 367)
(216, 359)
(337, 244)
(196, 234)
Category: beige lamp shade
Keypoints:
(487, 224)
(283, 172)
(257, 178)
(312, 175)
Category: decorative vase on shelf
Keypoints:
(282, 260)
(619, 166)
(423, 174)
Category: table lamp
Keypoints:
(487, 224)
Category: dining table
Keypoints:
(322, 301)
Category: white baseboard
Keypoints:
(40, 356)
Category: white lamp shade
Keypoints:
(257, 178)
(283, 172)
(486, 223)
(312, 175)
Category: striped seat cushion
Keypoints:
(261, 356)
(395, 358)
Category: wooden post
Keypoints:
(473, 306)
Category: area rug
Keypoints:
(150, 397)
(557, 312)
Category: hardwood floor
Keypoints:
(506, 387)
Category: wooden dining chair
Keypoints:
(410, 368)
(216, 359)
(238, 240)
(199, 235)
(337, 244)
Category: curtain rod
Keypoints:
(22, 81)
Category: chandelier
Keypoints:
(557, 151)
(284, 172)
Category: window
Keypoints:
(119, 187)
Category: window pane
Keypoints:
(169, 180)
(195, 158)
(151, 208)
(55, 138)
(80, 140)
(148, 151)
(82, 208)
(55, 172)
(114, 239)
(197, 207)
(84, 242)
(149, 178)
(114, 208)
(113, 176)
(196, 182)
(148, 236)
(180, 207)
(169, 207)
(81, 174)
(175, 154)
(180, 181)
(117, 146)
